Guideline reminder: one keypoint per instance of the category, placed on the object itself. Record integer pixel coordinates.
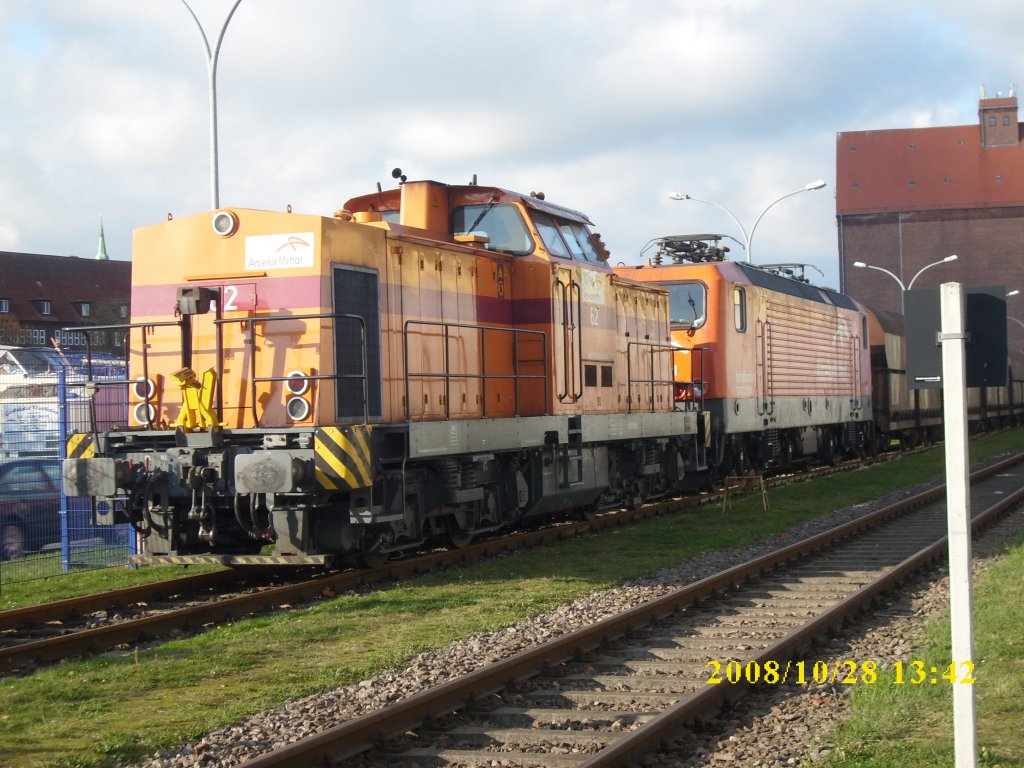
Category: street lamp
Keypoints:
(908, 286)
(211, 62)
(748, 238)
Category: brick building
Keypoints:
(42, 295)
(908, 197)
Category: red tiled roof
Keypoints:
(25, 277)
(918, 169)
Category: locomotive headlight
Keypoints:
(225, 223)
(297, 383)
(147, 390)
(143, 388)
(297, 408)
(144, 413)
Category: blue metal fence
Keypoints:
(43, 399)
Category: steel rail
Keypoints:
(72, 607)
(102, 638)
(711, 698)
(147, 628)
(360, 734)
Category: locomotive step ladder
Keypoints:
(698, 462)
(700, 458)
(571, 454)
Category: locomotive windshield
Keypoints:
(565, 238)
(501, 223)
(687, 304)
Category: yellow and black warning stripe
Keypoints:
(81, 446)
(230, 559)
(343, 457)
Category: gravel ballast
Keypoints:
(787, 726)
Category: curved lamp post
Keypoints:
(748, 237)
(211, 61)
(908, 286)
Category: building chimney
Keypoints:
(998, 120)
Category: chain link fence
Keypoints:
(43, 399)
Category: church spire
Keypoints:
(101, 253)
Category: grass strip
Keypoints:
(19, 594)
(99, 711)
(911, 726)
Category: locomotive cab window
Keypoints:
(739, 308)
(501, 223)
(687, 304)
(565, 238)
(578, 238)
(550, 235)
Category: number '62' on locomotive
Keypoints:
(432, 361)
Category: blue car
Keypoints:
(29, 505)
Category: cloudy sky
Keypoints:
(605, 105)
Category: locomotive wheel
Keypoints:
(374, 559)
(458, 539)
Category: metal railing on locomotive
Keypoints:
(249, 327)
(250, 323)
(484, 376)
(127, 329)
(690, 393)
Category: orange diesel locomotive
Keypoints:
(431, 362)
(786, 370)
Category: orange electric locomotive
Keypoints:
(431, 362)
(791, 371)
(786, 366)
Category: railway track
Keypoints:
(93, 624)
(51, 632)
(608, 694)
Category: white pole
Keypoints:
(965, 738)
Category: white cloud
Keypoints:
(9, 234)
(606, 106)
